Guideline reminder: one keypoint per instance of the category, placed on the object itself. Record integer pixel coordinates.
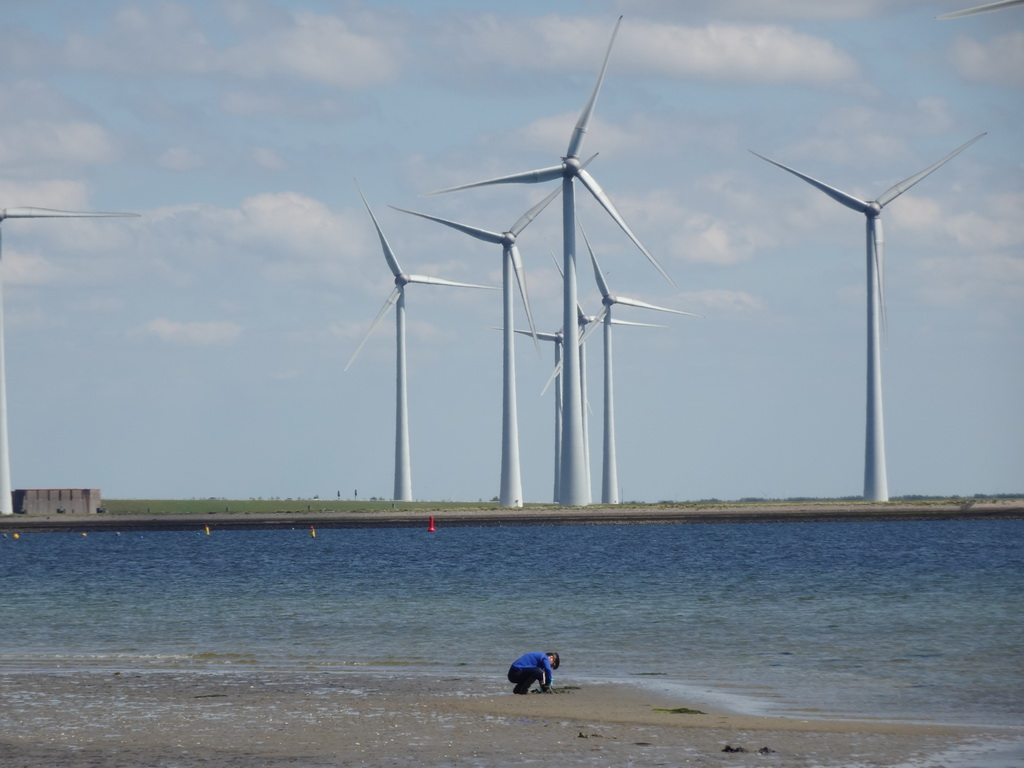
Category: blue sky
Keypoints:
(198, 350)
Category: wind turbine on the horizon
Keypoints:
(610, 476)
(574, 489)
(981, 9)
(403, 470)
(511, 486)
(6, 498)
(876, 485)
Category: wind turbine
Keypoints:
(6, 499)
(556, 339)
(574, 489)
(610, 477)
(981, 9)
(511, 487)
(876, 486)
(403, 471)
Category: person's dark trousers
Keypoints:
(524, 678)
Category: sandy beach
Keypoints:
(114, 718)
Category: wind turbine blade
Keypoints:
(554, 375)
(555, 261)
(542, 335)
(592, 326)
(981, 9)
(534, 212)
(879, 243)
(836, 194)
(894, 192)
(520, 272)
(49, 213)
(628, 302)
(391, 300)
(428, 280)
(616, 321)
(579, 132)
(602, 285)
(527, 177)
(389, 255)
(479, 234)
(595, 189)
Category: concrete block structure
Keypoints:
(49, 501)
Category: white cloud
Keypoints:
(862, 135)
(38, 141)
(160, 37)
(192, 333)
(293, 221)
(167, 38)
(761, 9)
(639, 134)
(757, 54)
(61, 194)
(282, 237)
(721, 301)
(315, 47)
(249, 103)
(999, 60)
(731, 52)
(981, 279)
(692, 236)
(269, 159)
(916, 212)
(180, 159)
(1001, 227)
(29, 269)
(701, 237)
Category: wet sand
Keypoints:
(120, 718)
(622, 514)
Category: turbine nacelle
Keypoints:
(873, 210)
(571, 165)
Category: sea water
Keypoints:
(918, 621)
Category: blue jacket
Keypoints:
(534, 660)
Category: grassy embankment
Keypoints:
(274, 506)
(354, 506)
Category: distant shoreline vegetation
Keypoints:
(220, 505)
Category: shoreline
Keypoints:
(263, 719)
(688, 513)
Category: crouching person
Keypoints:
(530, 668)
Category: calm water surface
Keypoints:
(915, 620)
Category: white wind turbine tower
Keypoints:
(981, 9)
(556, 339)
(511, 486)
(876, 486)
(403, 471)
(6, 499)
(574, 489)
(610, 476)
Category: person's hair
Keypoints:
(554, 664)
